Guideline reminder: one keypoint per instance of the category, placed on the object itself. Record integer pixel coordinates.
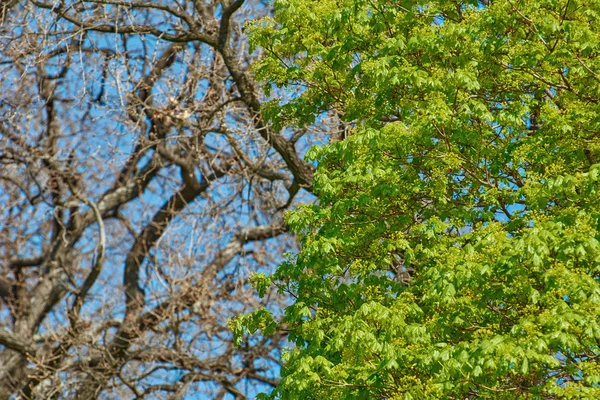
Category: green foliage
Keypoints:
(472, 168)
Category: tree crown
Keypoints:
(454, 251)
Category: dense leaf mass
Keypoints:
(455, 250)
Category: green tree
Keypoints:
(454, 251)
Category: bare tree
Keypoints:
(139, 186)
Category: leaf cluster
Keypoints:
(455, 249)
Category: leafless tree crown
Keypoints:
(139, 186)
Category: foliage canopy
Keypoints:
(454, 252)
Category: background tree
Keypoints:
(139, 185)
(454, 253)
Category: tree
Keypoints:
(455, 251)
(139, 185)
